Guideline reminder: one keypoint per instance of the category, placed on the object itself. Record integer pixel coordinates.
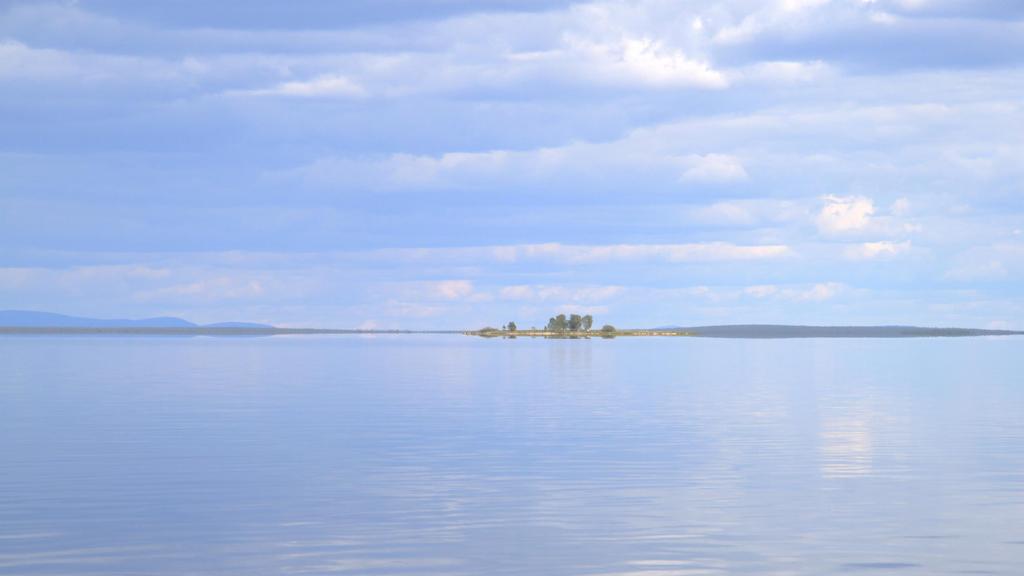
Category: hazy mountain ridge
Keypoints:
(36, 319)
(237, 325)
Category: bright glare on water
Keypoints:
(456, 455)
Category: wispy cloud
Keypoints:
(714, 168)
(814, 293)
(596, 254)
(326, 85)
(563, 293)
(880, 249)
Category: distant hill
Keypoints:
(253, 325)
(34, 319)
(789, 331)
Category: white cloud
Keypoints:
(19, 61)
(727, 214)
(517, 293)
(123, 287)
(798, 5)
(819, 292)
(570, 308)
(814, 293)
(750, 213)
(714, 168)
(767, 144)
(845, 214)
(456, 290)
(696, 252)
(452, 289)
(420, 172)
(324, 85)
(880, 249)
(900, 207)
(208, 289)
(565, 293)
(404, 310)
(643, 61)
(643, 44)
(761, 291)
(747, 29)
(783, 72)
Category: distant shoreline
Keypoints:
(758, 332)
(755, 331)
(751, 331)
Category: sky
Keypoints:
(452, 163)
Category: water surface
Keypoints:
(455, 455)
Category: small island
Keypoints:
(576, 326)
(572, 326)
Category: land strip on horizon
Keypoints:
(747, 331)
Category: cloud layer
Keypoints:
(451, 164)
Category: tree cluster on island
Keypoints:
(562, 324)
(574, 323)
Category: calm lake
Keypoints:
(456, 455)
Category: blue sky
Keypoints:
(449, 164)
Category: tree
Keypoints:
(575, 321)
(588, 321)
(608, 328)
(557, 324)
(511, 326)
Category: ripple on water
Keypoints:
(452, 456)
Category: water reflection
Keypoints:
(846, 446)
(452, 455)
